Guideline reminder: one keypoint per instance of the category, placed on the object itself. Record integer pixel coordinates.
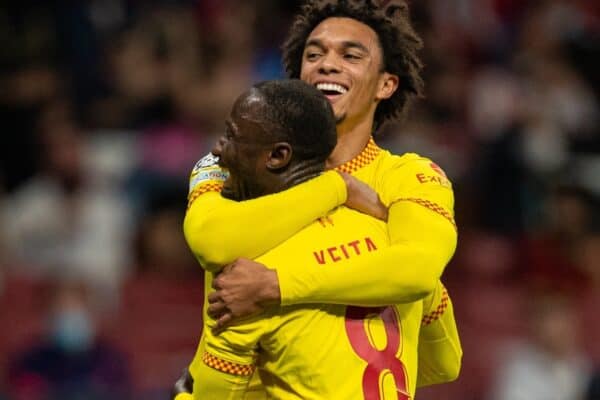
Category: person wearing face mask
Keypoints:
(71, 361)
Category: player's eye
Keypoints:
(312, 55)
(352, 57)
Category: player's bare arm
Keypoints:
(248, 291)
(361, 197)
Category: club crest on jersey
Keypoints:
(437, 169)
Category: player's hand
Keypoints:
(243, 288)
(361, 197)
(185, 384)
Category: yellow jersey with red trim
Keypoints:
(218, 230)
(319, 351)
(409, 177)
(421, 229)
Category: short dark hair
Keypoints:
(301, 115)
(397, 39)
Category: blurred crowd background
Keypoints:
(105, 105)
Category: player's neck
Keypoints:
(351, 140)
(300, 172)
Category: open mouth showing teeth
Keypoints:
(331, 89)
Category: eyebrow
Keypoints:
(347, 44)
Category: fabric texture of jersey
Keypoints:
(299, 349)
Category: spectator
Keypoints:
(550, 365)
(61, 221)
(550, 257)
(72, 361)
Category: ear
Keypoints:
(387, 85)
(280, 156)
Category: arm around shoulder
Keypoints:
(219, 230)
(423, 237)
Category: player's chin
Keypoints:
(340, 117)
(339, 113)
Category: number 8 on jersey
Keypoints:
(380, 363)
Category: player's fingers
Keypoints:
(216, 310)
(228, 267)
(222, 323)
(216, 283)
(214, 297)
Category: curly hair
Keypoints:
(397, 39)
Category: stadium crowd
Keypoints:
(107, 104)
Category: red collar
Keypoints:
(369, 153)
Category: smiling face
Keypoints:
(342, 58)
(244, 148)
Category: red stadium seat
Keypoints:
(159, 325)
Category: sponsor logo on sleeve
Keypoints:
(207, 170)
(436, 176)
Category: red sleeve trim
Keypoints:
(433, 207)
(438, 312)
(200, 190)
(227, 366)
(366, 156)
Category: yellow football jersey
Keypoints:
(422, 233)
(321, 351)
(421, 201)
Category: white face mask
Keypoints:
(72, 330)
